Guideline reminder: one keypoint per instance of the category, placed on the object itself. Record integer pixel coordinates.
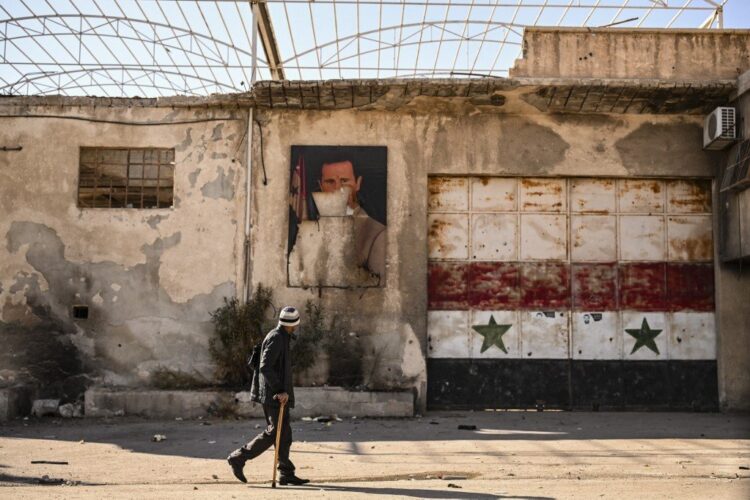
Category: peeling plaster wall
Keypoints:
(429, 138)
(150, 277)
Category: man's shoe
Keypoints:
(237, 463)
(293, 480)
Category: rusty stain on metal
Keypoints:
(494, 194)
(689, 196)
(690, 238)
(448, 193)
(641, 195)
(592, 196)
(448, 236)
(542, 195)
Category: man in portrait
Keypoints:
(341, 242)
(369, 234)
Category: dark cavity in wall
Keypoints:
(41, 355)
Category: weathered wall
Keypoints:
(733, 290)
(633, 53)
(435, 137)
(150, 277)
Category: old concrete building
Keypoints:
(559, 237)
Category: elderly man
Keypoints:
(369, 234)
(272, 386)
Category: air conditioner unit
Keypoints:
(719, 128)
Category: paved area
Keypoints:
(509, 455)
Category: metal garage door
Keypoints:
(570, 292)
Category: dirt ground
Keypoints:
(514, 454)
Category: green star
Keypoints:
(644, 336)
(493, 334)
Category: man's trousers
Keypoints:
(267, 438)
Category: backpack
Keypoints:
(253, 361)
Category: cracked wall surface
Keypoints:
(149, 277)
(521, 141)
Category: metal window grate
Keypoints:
(727, 123)
(737, 174)
(126, 178)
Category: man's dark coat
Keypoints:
(275, 373)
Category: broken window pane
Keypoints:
(126, 178)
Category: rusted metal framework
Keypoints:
(199, 47)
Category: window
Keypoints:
(126, 178)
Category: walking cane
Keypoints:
(280, 424)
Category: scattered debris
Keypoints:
(206, 423)
(432, 422)
(466, 427)
(45, 479)
(322, 420)
(451, 485)
(158, 438)
(212, 442)
(179, 419)
(307, 419)
(44, 407)
(214, 476)
(744, 467)
(49, 462)
(81, 442)
(71, 482)
(70, 410)
(257, 426)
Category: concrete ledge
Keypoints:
(315, 401)
(101, 402)
(309, 402)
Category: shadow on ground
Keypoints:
(216, 438)
(451, 493)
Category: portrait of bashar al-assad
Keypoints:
(344, 182)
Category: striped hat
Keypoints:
(289, 316)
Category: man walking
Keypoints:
(272, 386)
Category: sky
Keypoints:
(166, 47)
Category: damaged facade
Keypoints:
(568, 191)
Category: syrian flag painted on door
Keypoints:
(570, 292)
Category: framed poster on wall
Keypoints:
(337, 216)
